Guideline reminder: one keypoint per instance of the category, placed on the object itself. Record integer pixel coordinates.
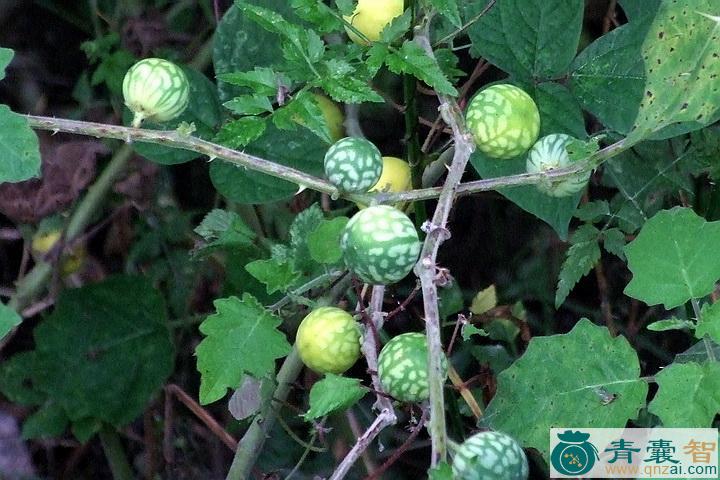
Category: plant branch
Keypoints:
(174, 139)
(384, 419)
(387, 415)
(425, 269)
(115, 454)
(254, 439)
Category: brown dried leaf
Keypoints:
(67, 168)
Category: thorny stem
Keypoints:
(384, 419)
(387, 415)
(174, 139)
(426, 266)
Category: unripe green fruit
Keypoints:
(370, 18)
(549, 153)
(380, 245)
(490, 455)
(156, 90)
(403, 367)
(328, 340)
(353, 164)
(504, 121)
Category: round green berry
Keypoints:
(353, 164)
(328, 340)
(548, 154)
(156, 90)
(490, 455)
(403, 367)
(504, 121)
(380, 245)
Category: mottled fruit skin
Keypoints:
(504, 121)
(380, 245)
(328, 340)
(549, 153)
(370, 18)
(70, 263)
(156, 90)
(353, 164)
(490, 455)
(403, 367)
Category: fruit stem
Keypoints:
(137, 119)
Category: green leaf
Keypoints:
(19, 149)
(639, 8)
(593, 211)
(442, 471)
(240, 44)
(239, 133)
(105, 350)
(673, 259)
(6, 56)
(16, 374)
(449, 10)
(249, 105)
(9, 319)
(580, 259)
(278, 274)
(579, 368)
(333, 393)
(529, 39)
(223, 229)
(318, 14)
(397, 28)
(496, 356)
(261, 80)
(671, 324)
(85, 428)
(303, 110)
(302, 226)
(681, 67)
(608, 77)
(693, 386)
(484, 300)
(203, 111)
(299, 149)
(324, 242)
(412, 59)
(468, 330)
(614, 242)
(240, 338)
(50, 421)
(559, 110)
(346, 89)
(709, 322)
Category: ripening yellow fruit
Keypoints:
(370, 17)
(333, 116)
(42, 243)
(395, 177)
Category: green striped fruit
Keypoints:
(504, 121)
(328, 340)
(353, 164)
(380, 245)
(490, 455)
(548, 154)
(403, 367)
(156, 90)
